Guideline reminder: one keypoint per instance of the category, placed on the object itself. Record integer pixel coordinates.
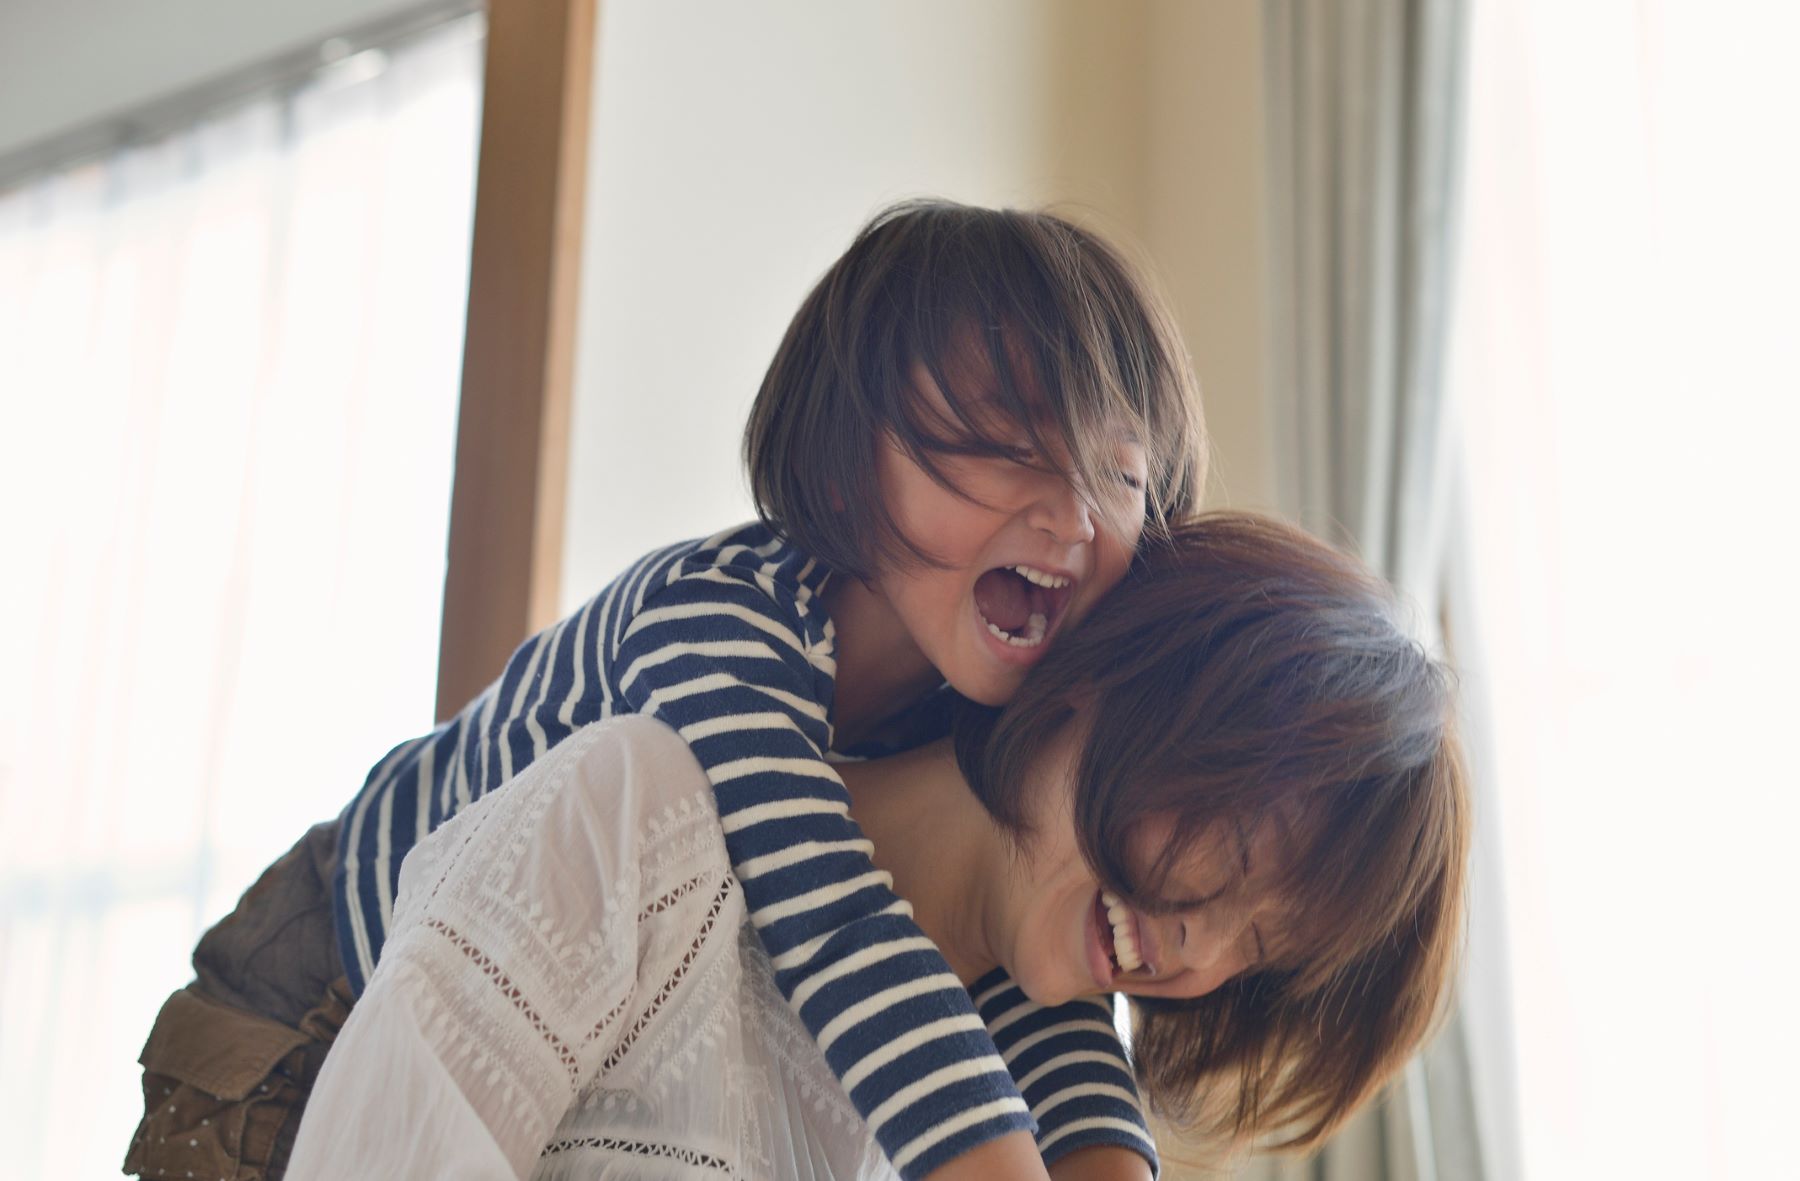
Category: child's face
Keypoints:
(1024, 555)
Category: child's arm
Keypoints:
(725, 662)
(1073, 1071)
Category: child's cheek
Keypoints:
(1115, 552)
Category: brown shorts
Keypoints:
(232, 1057)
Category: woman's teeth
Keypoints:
(1035, 627)
(1125, 948)
(1038, 577)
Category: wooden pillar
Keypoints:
(506, 511)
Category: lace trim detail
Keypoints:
(605, 1024)
(787, 1040)
(672, 897)
(687, 1156)
(691, 1025)
(630, 1036)
(504, 985)
(657, 907)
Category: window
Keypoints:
(1630, 383)
(230, 360)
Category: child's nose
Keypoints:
(1060, 510)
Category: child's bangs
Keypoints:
(999, 393)
(1026, 354)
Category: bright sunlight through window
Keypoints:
(230, 361)
(1628, 367)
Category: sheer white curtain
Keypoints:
(1629, 363)
(229, 362)
(1364, 126)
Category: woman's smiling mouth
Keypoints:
(1124, 930)
(1119, 938)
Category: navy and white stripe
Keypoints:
(1067, 1062)
(726, 641)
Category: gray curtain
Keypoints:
(1364, 101)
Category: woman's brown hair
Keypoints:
(1245, 673)
(1035, 329)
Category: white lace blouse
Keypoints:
(571, 989)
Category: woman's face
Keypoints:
(1069, 938)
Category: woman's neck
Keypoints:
(947, 856)
(880, 670)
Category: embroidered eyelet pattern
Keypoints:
(506, 988)
(778, 1028)
(678, 999)
(687, 1156)
(672, 897)
(630, 1036)
(604, 1024)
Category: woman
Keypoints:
(1234, 795)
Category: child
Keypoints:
(969, 424)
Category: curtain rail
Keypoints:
(282, 73)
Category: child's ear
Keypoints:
(837, 496)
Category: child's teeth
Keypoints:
(1040, 578)
(1035, 626)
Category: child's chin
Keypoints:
(995, 688)
(987, 695)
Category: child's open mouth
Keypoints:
(1021, 604)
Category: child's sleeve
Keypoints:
(1071, 1066)
(726, 664)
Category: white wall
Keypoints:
(68, 63)
(737, 148)
(1204, 223)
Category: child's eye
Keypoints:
(1131, 480)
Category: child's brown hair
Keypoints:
(1245, 673)
(1042, 337)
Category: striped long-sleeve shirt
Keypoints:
(727, 641)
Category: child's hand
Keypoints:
(1013, 1157)
(1102, 1162)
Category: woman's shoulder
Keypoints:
(620, 740)
(613, 783)
(621, 801)
(636, 762)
